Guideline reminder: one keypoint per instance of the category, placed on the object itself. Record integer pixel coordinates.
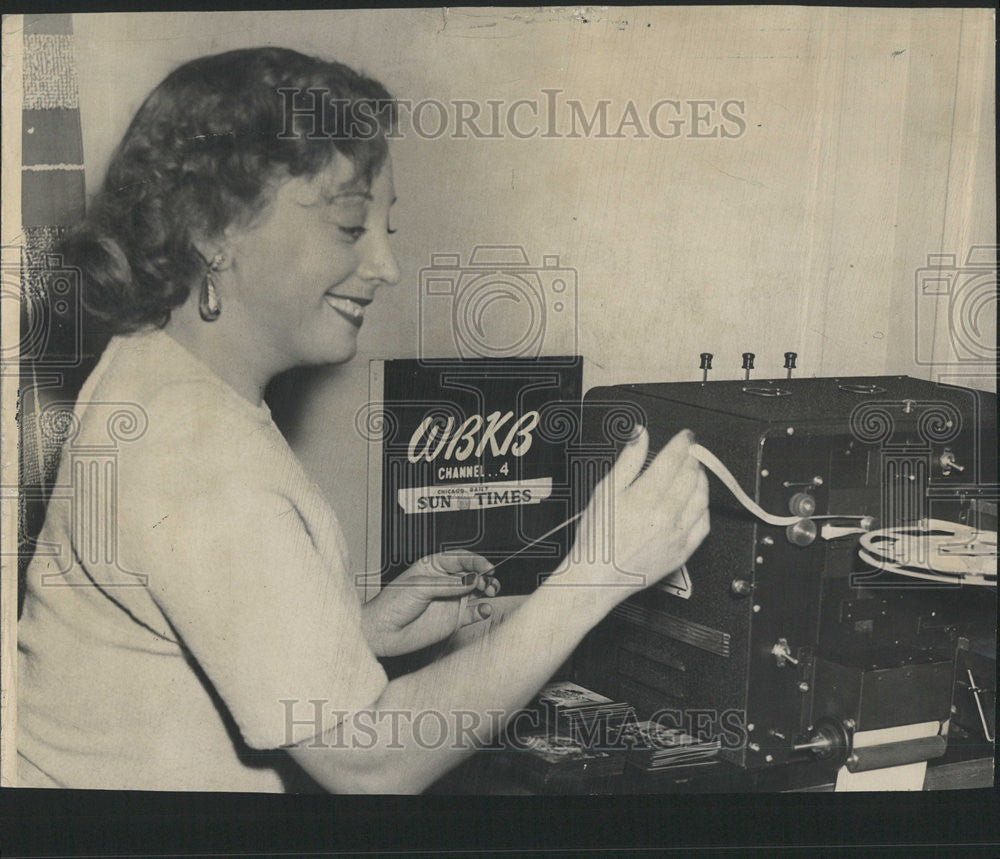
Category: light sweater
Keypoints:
(189, 608)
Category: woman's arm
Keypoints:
(468, 695)
(424, 723)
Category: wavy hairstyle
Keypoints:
(204, 152)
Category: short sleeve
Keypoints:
(263, 606)
(273, 627)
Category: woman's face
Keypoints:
(306, 271)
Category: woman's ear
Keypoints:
(217, 254)
(206, 249)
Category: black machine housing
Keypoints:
(774, 637)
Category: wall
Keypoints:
(869, 144)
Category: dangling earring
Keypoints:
(209, 305)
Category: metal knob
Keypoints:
(748, 364)
(802, 533)
(790, 362)
(829, 742)
(802, 504)
(741, 587)
(705, 366)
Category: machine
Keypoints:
(784, 642)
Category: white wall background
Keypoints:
(869, 145)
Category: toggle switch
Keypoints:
(782, 654)
(948, 463)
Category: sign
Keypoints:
(472, 454)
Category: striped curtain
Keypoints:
(57, 350)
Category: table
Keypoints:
(967, 763)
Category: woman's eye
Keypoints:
(354, 233)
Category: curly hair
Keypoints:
(204, 152)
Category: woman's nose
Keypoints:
(379, 262)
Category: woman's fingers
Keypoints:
(474, 611)
(490, 586)
(697, 533)
(631, 460)
(671, 464)
(430, 586)
(696, 502)
(624, 472)
(458, 561)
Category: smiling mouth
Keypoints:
(352, 309)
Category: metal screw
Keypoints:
(759, 559)
(768, 758)
(803, 687)
(754, 747)
(850, 724)
(768, 541)
(790, 430)
(750, 726)
(756, 609)
(764, 472)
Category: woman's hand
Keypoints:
(638, 528)
(428, 602)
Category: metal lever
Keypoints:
(830, 741)
(833, 532)
(782, 654)
(975, 690)
(948, 462)
(819, 744)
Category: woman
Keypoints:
(229, 243)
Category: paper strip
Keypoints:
(712, 463)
